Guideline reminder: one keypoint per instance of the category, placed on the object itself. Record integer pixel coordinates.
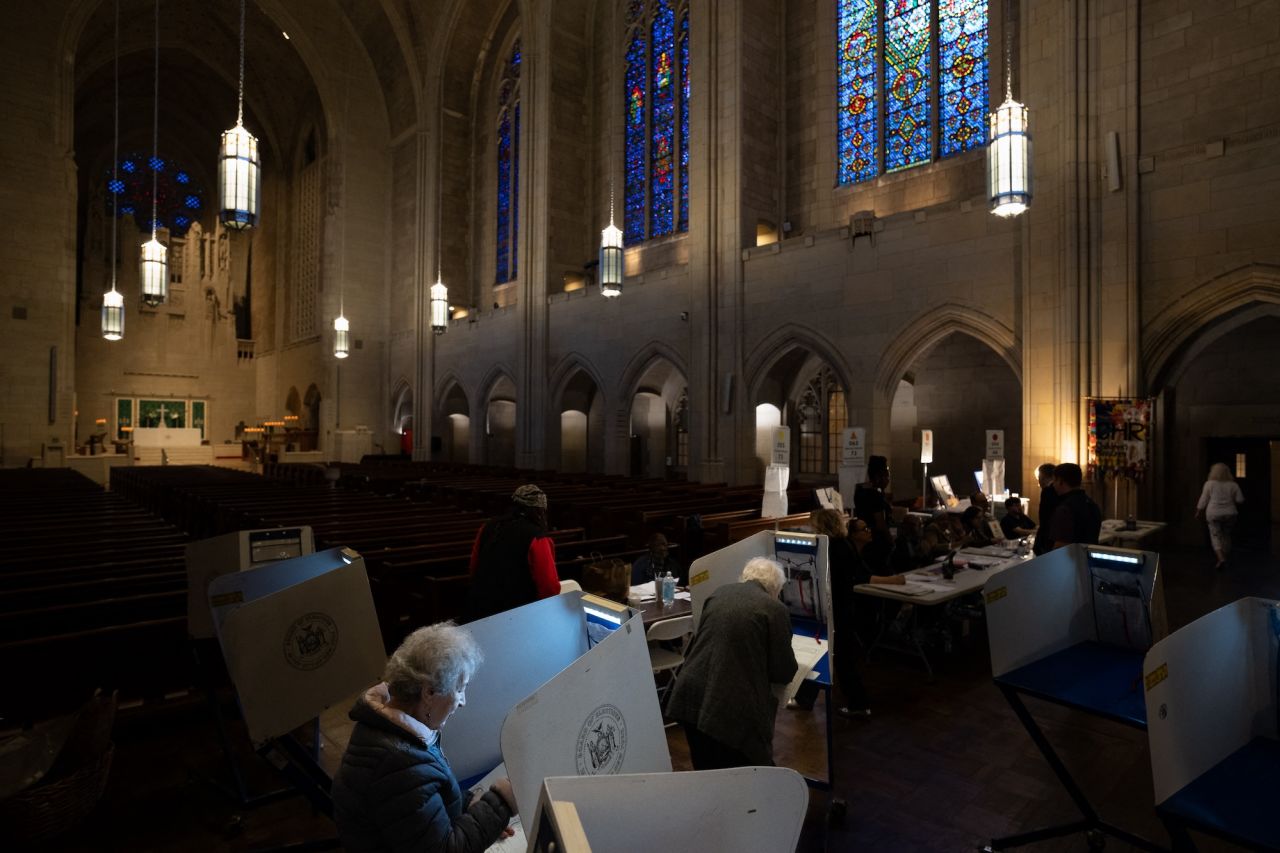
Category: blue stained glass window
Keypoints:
(857, 101)
(908, 137)
(962, 61)
(894, 108)
(683, 224)
(177, 194)
(656, 135)
(508, 169)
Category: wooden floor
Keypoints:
(940, 766)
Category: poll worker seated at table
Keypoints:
(395, 790)
(656, 563)
(909, 549)
(1016, 523)
(976, 531)
(740, 659)
(942, 535)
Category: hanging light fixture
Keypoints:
(239, 169)
(611, 237)
(1009, 147)
(154, 266)
(439, 306)
(341, 336)
(112, 301)
(611, 256)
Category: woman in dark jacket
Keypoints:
(395, 790)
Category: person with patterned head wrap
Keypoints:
(513, 561)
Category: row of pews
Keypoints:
(93, 583)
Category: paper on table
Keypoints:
(808, 652)
(516, 843)
(643, 592)
(684, 596)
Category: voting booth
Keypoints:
(1212, 696)
(807, 594)
(298, 635)
(235, 552)
(741, 809)
(1071, 627)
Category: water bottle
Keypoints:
(668, 590)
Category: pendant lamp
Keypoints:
(1009, 146)
(112, 301)
(153, 268)
(239, 168)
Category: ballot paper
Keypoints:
(642, 592)
(516, 843)
(808, 652)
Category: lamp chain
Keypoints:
(115, 151)
(155, 124)
(240, 97)
(1008, 50)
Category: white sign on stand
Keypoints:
(926, 446)
(599, 717)
(853, 446)
(995, 444)
(297, 635)
(743, 808)
(781, 446)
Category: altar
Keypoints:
(166, 437)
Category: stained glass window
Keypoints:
(179, 199)
(508, 169)
(911, 83)
(656, 120)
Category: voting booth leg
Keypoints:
(1179, 835)
(239, 791)
(1092, 825)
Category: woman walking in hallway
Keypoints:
(1219, 502)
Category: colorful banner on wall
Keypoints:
(1119, 437)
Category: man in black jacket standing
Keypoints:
(1048, 503)
(1077, 518)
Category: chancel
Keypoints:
(372, 267)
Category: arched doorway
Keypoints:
(402, 416)
(581, 410)
(958, 387)
(454, 427)
(658, 418)
(1222, 404)
(500, 423)
(802, 391)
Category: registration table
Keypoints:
(928, 587)
(1144, 535)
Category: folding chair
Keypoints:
(662, 658)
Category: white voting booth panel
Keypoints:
(742, 809)
(598, 717)
(235, 552)
(1046, 604)
(1210, 690)
(712, 571)
(523, 649)
(297, 635)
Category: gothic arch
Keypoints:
(444, 389)
(564, 371)
(782, 341)
(1205, 314)
(401, 403)
(496, 374)
(934, 325)
(640, 363)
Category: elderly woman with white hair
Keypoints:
(395, 790)
(726, 693)
(1219, 504)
